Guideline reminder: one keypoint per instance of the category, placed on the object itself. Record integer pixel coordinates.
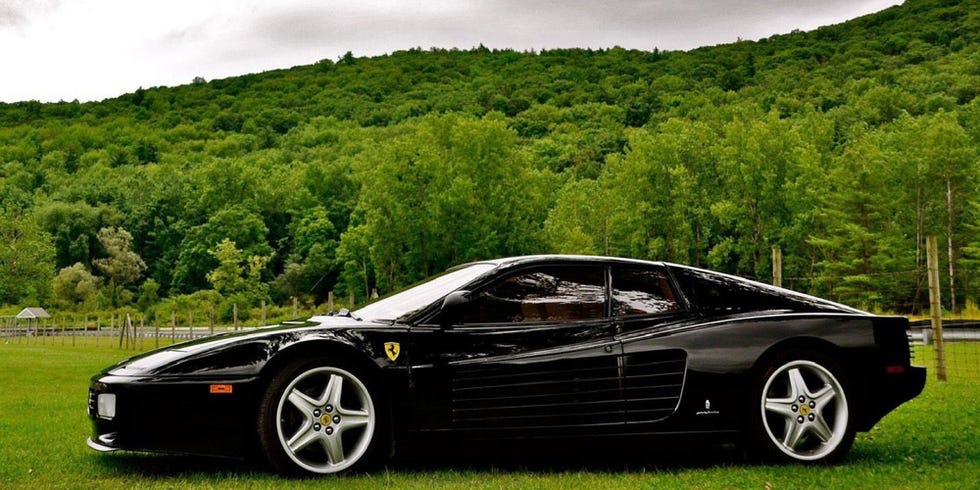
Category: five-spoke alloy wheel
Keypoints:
(803, 412)
(318, 419)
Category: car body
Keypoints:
(535, 347)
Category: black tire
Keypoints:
(810, 423)
(319, 416)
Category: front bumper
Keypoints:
(99, 447)
(175, 415)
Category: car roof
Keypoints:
(523, 259)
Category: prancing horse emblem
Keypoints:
(392, 349)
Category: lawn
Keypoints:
(930, 442)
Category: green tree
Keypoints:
(354, 259)
(454, 190)
(75, 287)
(149, 295)
(952, 162)
(74, 228)
(237, 276)
(580, 221)
(857, 237)
(235, 223)
(123, 266)
(26, 260)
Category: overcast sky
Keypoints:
(54, 50)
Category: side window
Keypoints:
(641, 291)
(542, 294)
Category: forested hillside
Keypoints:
(844, 147)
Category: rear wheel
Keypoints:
(801, 411)
(319, 417)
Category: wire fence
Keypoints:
(960, 345)
(135, 331)
(131, 335)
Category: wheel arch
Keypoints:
(320, 348)
(802, 343)
(847, 361)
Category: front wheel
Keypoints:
(318, 418)
(802, 412)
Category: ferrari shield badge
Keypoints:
(392, 349)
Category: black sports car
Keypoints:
(524, 348)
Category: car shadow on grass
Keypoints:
(604, 456)
(519, 456)
(172, 465)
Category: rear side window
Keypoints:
(719, 293)
(542, 294)
(641, 291)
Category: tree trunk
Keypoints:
(918, 246)
(949, 244)
(364, 267)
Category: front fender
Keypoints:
(244, 355)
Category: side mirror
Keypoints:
(451, 306)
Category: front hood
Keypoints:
(236, 353)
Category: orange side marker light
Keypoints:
(221, 389)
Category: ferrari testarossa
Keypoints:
(538, 347)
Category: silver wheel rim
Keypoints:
(325, 420)
(804, 410)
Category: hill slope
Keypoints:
(843, 146)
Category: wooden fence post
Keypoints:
(295, 308)
(935, 308)
(262, 321)
(330, 302)
(122, 332)
(156, 330)
(190, 324)
(173, 327)
(211, 320)
(777, 267)
(350, 301)
(130, 332)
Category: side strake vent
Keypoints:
(553, 393)
(653, 384)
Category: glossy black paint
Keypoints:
(683, 371)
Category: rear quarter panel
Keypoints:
(725, 355)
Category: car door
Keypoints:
(644, 303)
(532, 351)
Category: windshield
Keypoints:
(421, 295)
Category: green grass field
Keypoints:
(930, 442)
